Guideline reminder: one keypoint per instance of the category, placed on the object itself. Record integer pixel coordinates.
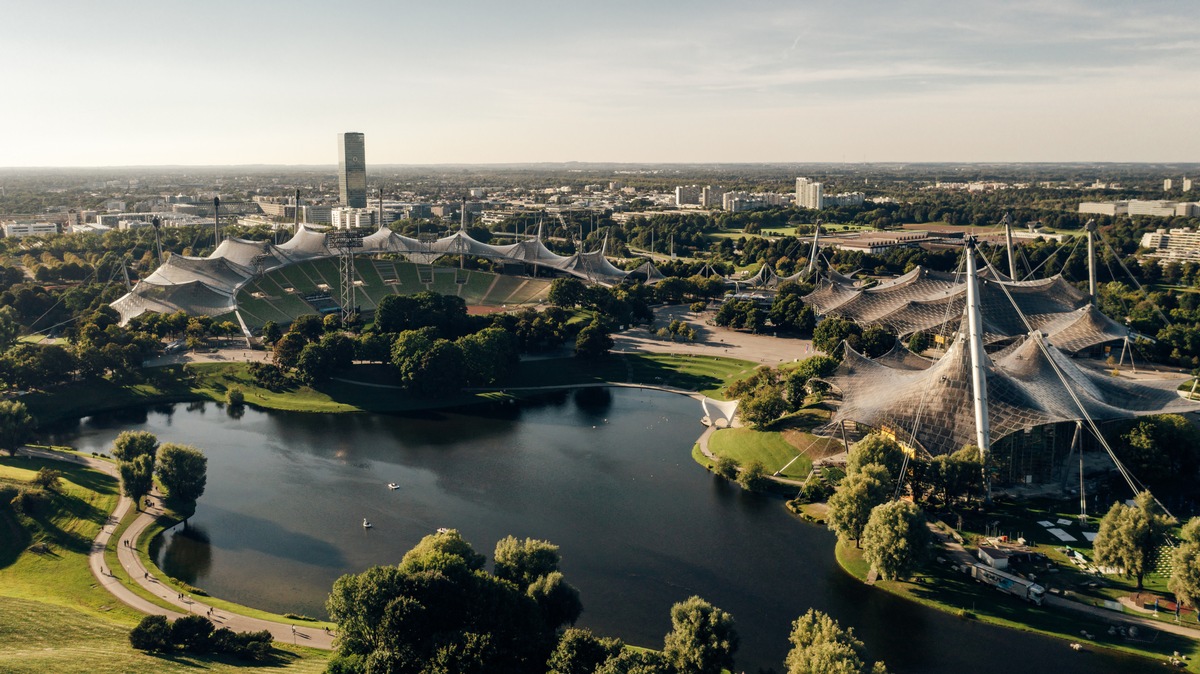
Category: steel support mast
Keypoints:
(1090, 228)
(1008, 242)
(978, 357)
(816, 248)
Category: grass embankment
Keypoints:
(940, 587)
(368, 387)
(708, 375)
(41, 638)
(53, 614)
(786, 442)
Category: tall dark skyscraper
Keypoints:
(352, 169)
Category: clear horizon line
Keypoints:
(333, 166)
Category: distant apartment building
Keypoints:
(711, 197)
(687, 195)
(736, 202)
(20, 230)
(318, 214)
(1173, 245)
(1187, 184)
(351, 218)
(843, 200)
(1167, 185)
(1104, 207)
(352, 170)
(477, 193)
(809, 194)
(1156, 208)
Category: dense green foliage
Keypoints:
(896, 540)
(196, 634)
(821, 646)
(1129, 535)
(850, 506)
(1185, 564)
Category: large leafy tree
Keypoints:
(16, 425)
(1185, 564)
(595, 340)
(183, 471)
(523, 562)
(567, 292)
(137, 477)
(832, 331)
(489, 355)
(1161, 449)
(703, 639)
(821, 646)
(581, 652)
(896, 539)
(850, 506)
(877, 449)
(1129, 535)
(131, 444)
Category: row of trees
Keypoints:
(440, 611)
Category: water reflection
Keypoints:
(184, 553)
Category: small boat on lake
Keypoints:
(393, 486)
(366, 524)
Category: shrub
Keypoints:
(192, 633)
(152, 634)
(234, 396)
(697, 307)
(726, 467)
(48, 478)
(754, 477)
(29, 500)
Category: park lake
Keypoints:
(606, 474)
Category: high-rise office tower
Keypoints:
(352, 169)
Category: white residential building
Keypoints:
(1173, 245)
(1104, 207)
(18, 230)
(710, 197)
(687, 195)
(809, 194)
(351, 218)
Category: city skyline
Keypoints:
(526, 82)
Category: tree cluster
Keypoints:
(197, 634)
(182, 470)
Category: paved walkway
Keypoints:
(132, 565)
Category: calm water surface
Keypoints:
(605, 474)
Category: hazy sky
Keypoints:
(214, 82)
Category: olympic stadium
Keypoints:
(252, 282)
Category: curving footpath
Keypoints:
(132, 565)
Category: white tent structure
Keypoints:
(209, 285)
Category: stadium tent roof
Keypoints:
(933, 405)
(931, 301)
(172, 287)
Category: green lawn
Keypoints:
(954, 592)
(705, 374)
(769, 447)
(41, 638)
(54, 617)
